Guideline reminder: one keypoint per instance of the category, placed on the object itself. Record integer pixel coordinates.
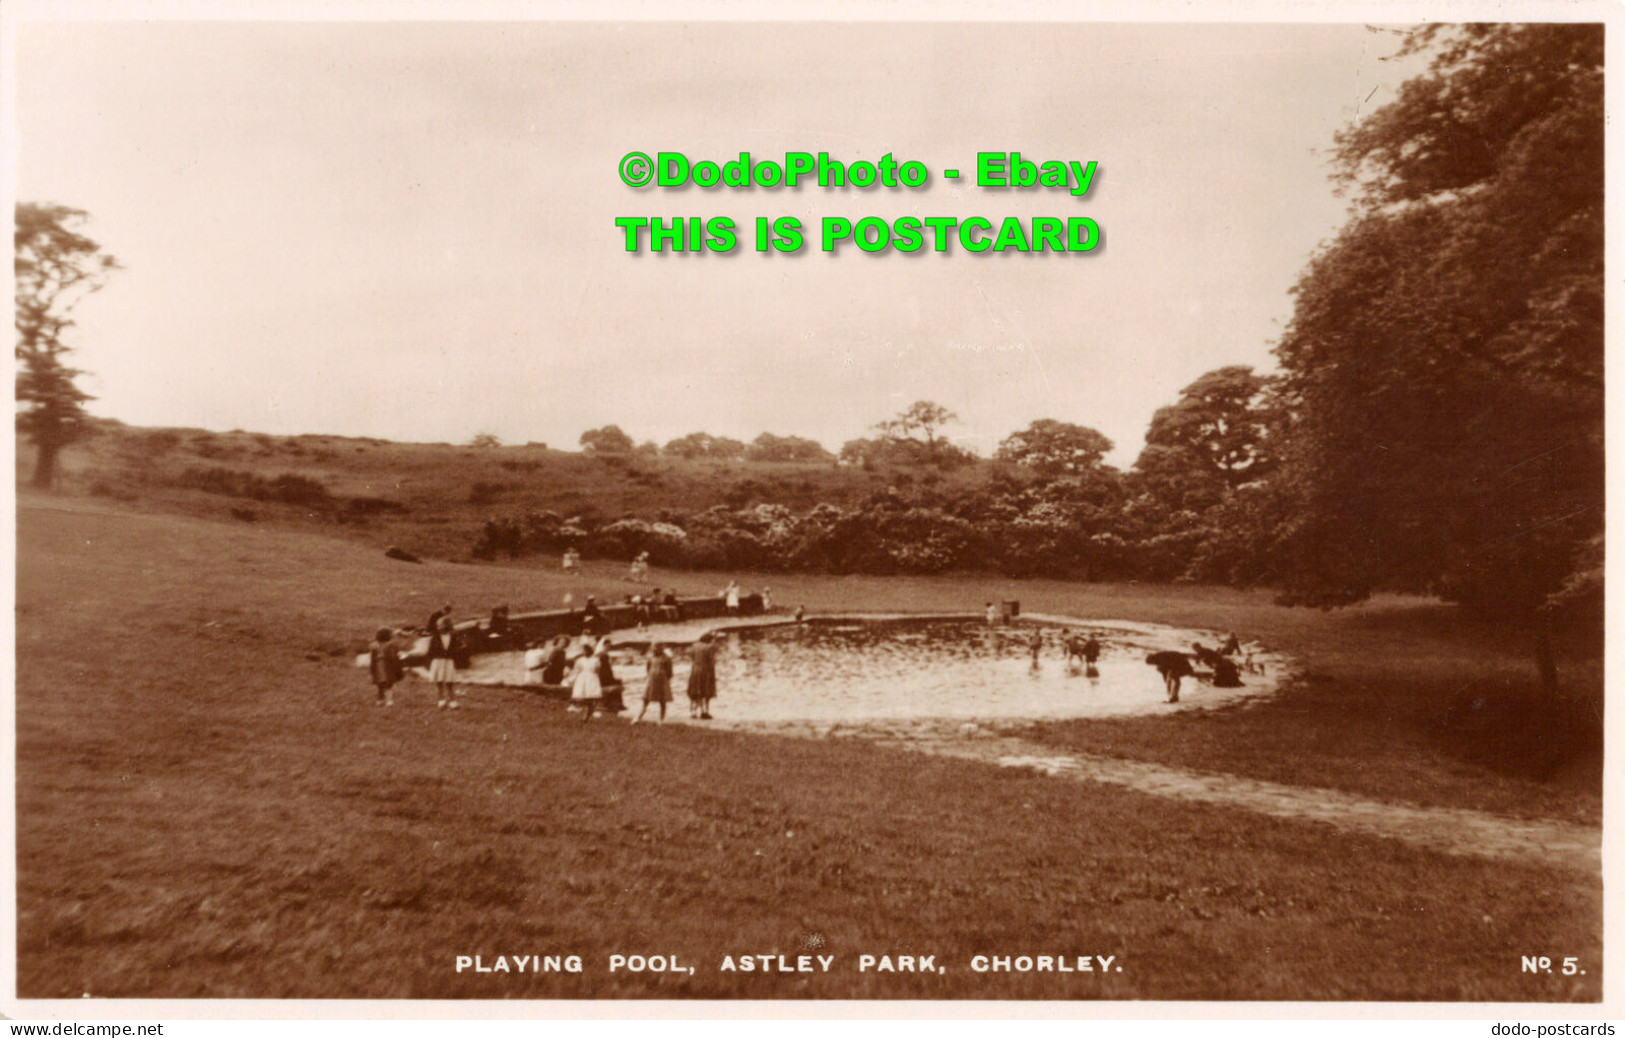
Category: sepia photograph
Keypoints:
(806, 505)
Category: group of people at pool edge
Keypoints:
(386, 668)
(588, 674)
(593, 686)
(589, 679)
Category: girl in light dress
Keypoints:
(586, 690)
(442, 671)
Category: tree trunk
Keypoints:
(45, 466)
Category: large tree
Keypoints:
(1055, 448)
(610, 439)
(916, 433)
(768, 447)
(1444, 365)
(704, 445)
(1220, 434)
(56, 268)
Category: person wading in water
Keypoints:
(1174, 667)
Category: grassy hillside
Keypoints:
(431, 498)
(208, 805)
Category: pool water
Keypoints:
(952, 670)
(869, 671)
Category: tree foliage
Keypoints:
(919, 421)
(704, 445)
(608, 440)
(1444, 365)
(912, 437)
(1221, 433)
(56, 268)
(768, 447)
(1055, 448)
(860, 451)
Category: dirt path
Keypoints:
(1447, 830)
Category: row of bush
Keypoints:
(1096, 526)
(288, 488)
(1068, 529)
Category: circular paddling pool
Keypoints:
(865, 670)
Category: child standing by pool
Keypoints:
(442, 671)
(702, 677)
(608, 683)
(555, 661)
(586, 686)
(658, 687)
(385, 665)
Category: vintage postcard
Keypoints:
(821, 506)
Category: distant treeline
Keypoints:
(1051, 507)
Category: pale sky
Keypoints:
(406, 230)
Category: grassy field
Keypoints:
(209, 806)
